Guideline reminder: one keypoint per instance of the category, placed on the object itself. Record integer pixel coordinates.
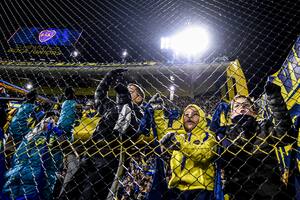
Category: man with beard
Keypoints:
(248, 158)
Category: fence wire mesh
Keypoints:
(93, 107)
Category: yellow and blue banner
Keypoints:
(288, 78)
(236, 83)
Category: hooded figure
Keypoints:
(193, 149)
(39, 156)
(248, 158)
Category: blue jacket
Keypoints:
(2, 160)
(38, 159)
(19, 125)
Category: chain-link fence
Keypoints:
(149, 100)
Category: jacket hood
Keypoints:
(202, 124)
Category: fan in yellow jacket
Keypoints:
(193, 149)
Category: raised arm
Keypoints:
(283, 126)
(102, 102)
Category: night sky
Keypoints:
(258, 33)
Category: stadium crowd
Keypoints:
(200, 148)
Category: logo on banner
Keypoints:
(46, 35)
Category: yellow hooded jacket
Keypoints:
(198, 171)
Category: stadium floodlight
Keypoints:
(165, 43)
(190, 42)
(172, 88)
(172, 78)
(75, 53)
(172, 92)
(29, 85)
(124, 53)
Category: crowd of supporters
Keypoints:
(187, 148)
(137, 179)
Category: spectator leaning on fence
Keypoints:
(119, 122)
(248, 158)
(191, 161)
(39, 156)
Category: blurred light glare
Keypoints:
(165, 43)
(29, 86)
(172, 88)
(75, 53)
(124, 53)
(190, 42)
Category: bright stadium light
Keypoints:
(172, 88)
(29, 85)
(190, 42)
(165, 43)
(75, 53)
(172, 92)
(124, 53)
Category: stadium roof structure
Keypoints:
(188, 79)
